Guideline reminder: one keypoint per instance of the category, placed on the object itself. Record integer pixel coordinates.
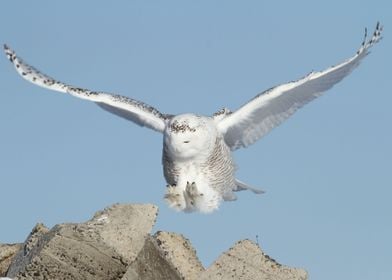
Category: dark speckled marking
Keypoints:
(139, 104)
(223, 111)
(375, 38)
(34, 75)
(176, 127)
(10, 54)
(81, 91)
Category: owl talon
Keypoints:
(192, 191)
(174, 197)
(171, 192)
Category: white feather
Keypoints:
(197, 161)
(131, 109)
(270, 108)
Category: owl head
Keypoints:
(188, 136)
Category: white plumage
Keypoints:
(197, 161)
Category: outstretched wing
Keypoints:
(130, 109)
(270, 108)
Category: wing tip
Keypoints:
(376, 37)
(9, 52)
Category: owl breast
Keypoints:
(197, 164)
(216, 168)
(212, 174)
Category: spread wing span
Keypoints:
(270, 108)
(125, 107)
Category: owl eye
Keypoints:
(186, 142)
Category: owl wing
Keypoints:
(125, 107)
(267, 110)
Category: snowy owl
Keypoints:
(197, 161)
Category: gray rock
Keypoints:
(179, 252)
(124, 227)
(115, 244)
(151, 265)
(7, 253)
(165, 256)
(101, 248)
(25, 254)
(246, 261)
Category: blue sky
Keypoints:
(327, 170)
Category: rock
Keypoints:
(101, 248)
(246, 261)
(24, 256)
(150, 265)
(7, 253)
(179, 252)
(116, 244)
(125, 227)
(165, 256)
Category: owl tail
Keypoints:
(241, 186)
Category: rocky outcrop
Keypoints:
(23, 257)
(166, 256)
(101, 248)
(116, 244)
(246, 261)
(7, 254)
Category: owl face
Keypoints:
(189, 136)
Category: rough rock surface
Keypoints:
(151, 264)
(166, 256)
(179, 252)
(101, 248)
(246, 261)
(116, 245)
(7, 253)
(125, 227)
(24, 256)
